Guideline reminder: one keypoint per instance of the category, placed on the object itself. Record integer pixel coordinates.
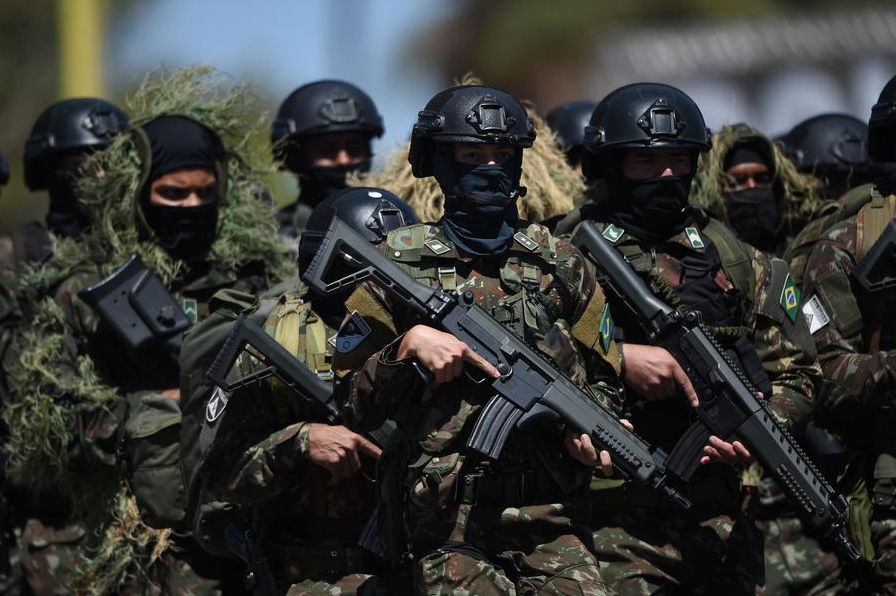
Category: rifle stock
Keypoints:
(528, 389)
(729, 407)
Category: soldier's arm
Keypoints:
(858, 380)
(783, 342)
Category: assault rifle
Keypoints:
(729, 405)
(529, 387)
(247, 336)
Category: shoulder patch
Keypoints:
(606, 328)
(694, 237)
(216, 404)
(790, 298)
(613, 233)
(816, 316)
(352, 333)
(191, 309)
(527, 242)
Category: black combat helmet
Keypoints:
(882, 126)
(372, 212)
(469, 114)
(568, 123)
(828, 143)
(643, 115)
(68, 126)
(323, 107)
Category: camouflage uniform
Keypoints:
(308, 527)
(644, 544)
(521, 529)
(855, 341)
(831, 214)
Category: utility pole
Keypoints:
(81, 26)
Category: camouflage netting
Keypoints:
(55, 384)
(552, 184)
(801, 192)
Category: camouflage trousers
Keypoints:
(356, 583)
(883, 536)
(796, 564)
(48, 556)
(660, 550)
(479, 550)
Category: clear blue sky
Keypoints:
(279, 45)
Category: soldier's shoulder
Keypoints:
(418, 241)
(537, 237)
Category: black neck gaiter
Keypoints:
(651, 210)
(754, 215)
(186, 233)
(480, 208)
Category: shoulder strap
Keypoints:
(734, 257)
(875, 215)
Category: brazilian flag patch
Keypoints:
(191, 309)
(606, 328)
(790, 298)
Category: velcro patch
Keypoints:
(352, 333)
(613, 233)
(816, 316)
(437, 247)
(606, 328)
(694, 237)
(527, 243)
(790, 298)
(191, 309)
(216, 404)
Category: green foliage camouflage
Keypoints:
(56, 384)
(801, 193)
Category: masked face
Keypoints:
(182, 211)
(651, 194)
(68, 216)
(480, 186)
(754, 215)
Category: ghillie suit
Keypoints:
(552, 185)
(71, 391)
(798, 195)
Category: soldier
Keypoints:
(746, 181)
(643, 142)
(833, 147)
(176, 191)
(849, 291)
(323, 131)
(568, 123)
(297, 478)
(514, 524)
(62, 138)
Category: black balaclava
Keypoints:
(753, 212)
(180, 143)
(480, 202)
(654, 209)
(67, 217)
